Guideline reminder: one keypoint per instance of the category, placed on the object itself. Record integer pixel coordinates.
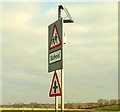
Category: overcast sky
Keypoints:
(91, 51)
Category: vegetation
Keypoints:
(110, 108)
(106, 108)
(101, 104)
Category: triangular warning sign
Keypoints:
(55, 38)
(55, 89)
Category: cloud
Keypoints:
(90, 52)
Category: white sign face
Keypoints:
(55, 56)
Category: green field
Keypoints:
(110, 108)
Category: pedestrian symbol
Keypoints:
(55, 89)
(55, 38)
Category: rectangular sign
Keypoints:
(55, 43)
(55, 56)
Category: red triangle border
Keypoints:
(58, 94)
(60, 44)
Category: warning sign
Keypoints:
(55, 45)
(55, 89)
(55, 38)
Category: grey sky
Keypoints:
(91, 52)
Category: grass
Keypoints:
(110, 108)
(106, 108)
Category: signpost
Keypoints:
(55, 45)
(55, 55)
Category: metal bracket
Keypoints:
(69, 20)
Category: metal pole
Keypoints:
(62, 86)
(56, 97)
(56, 103)
(62, 82)
(62, 70)
(59, 12)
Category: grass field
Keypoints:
(106, 108)
(110, 108)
